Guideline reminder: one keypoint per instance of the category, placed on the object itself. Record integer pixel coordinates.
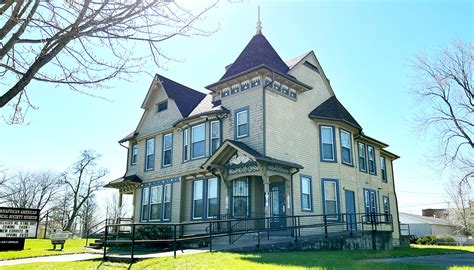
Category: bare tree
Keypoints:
(83, 180)
(114, 210)
(444, 85)
(83, 44)
(88, 215)
(459, 192)
(31, 190)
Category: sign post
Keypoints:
(17, 224)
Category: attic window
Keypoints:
(311, 66)
(162, 106)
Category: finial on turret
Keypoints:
(259, 23)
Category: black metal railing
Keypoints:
(97, 230)
(172, 234)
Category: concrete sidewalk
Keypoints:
(465, 259)
(54, 258)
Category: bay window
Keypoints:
(327, 143)
(215, 135)
(198, 141)
(346, 147)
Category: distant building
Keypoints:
(435, 213)
(422, 225)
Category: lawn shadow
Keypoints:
(338, 259)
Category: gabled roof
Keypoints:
(257, 52)
(185, 98)
(332, 109)
(129, 179)
(293, 61)
(249, 150)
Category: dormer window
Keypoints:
(162, 106)
(255, 81)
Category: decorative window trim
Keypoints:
(310, 209)
(255, 82)
(205, 199)
(134, 154)
(359, 156)
(374, 159)
(236, 124)
(192, 143)
(338, 204)
(163, 150)
(333, 143)
(147, 155)
(245, 85)
(234, 89)
(351, 158)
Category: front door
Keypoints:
(277, 205)
(351, 219)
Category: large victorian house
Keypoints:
(269, 139)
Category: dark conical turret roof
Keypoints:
(257, 52)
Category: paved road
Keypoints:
(466, 259)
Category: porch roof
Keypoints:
(237, 145)
(125, 181)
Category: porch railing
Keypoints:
(173, 234)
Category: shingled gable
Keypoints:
(185, 98)
(257, 52)
(332, 109)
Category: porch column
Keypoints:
(266, 188)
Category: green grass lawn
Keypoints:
(43, 247)
(279, 261)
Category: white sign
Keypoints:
(18, 229)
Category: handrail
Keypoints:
(343, 222)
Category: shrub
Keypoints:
(153, 232)
(446, 240)
(427, 240)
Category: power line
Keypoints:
(424, 204)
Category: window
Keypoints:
(167, 202)
(215, 135)
(383, 167)
(327, 143)
(205, 204)
(133, 159)
(362, 158)
(370, 200)
(156, 203)
(306, 198)
(198, 202)
(212, 202)
(150, 155)
(145, 200)
(331, 200)
(371, 154)
(240, 198)
(386, 208)
(185, 144)
(198, 141)
(346, 147)
(156, 200)
(162, 106)
(242, 123)
(167, 149)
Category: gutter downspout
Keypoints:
(292, 197)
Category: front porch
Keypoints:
(254, 185)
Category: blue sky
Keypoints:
(364, 47)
